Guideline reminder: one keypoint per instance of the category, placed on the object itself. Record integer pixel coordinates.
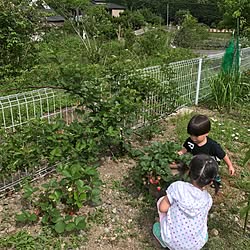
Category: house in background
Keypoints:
(112, 8)
(51, 17)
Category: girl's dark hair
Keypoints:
(203, 169)
(199, 125)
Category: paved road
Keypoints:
(208, 52)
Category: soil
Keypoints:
(123, 220)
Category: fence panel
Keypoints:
(211, 66)
(18, 109)
(186, 76)
(245, 59)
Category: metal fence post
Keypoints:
(198, 82)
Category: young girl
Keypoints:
(183, 211)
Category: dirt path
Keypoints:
(126, 223)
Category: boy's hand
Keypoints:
(231, 170)
(182, 152)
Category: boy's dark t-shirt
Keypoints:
(211, 148)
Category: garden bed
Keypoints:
(124, 218)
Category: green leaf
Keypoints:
(244, 211)
(56, 152)
(58, 194)
(66, 173)
(70, 226)
(80, 223)
(21, 217)
(56, 218)
(136, 153)
(80, 145)
(83, 197)
(33, 217)
(90, 171)
(45, 219)
(67, 217)
(60, 227)
(79, 184)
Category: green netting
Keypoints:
(231, 58)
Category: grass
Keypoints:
(230, 237)
(23, 240)
(232, 132)
(220, 35)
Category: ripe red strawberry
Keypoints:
(37, 212)
(151, 181)
(158, 188)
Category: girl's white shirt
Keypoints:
(185, 225)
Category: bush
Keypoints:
(153, 42)
(191, 32)
(18, 23)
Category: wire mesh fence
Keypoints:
(18, 109)
(245, 59)
(190, 78)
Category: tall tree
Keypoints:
(234, 9)
(19, 21)
(205, 11)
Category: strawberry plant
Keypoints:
(27, 148)
(67, 224)
(79, 184)
(26, 217)
(155, 163)
(58, 201)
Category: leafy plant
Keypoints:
(225, 90)
(78, 185)
(190, 31)
(26, 217)
(20, 240)
(153, 42)
(63, 225)
(155, 163)
(148, 130)
(17, 50)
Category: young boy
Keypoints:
(199, 142)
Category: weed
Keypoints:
(97, 216)
(117, 185)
